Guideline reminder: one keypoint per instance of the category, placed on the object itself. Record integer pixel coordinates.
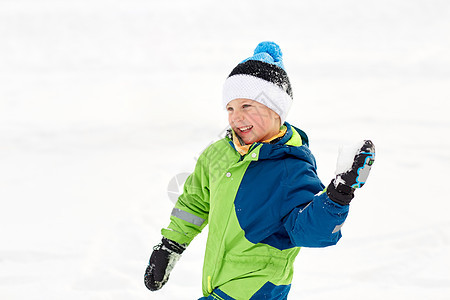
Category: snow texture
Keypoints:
(103, 102)
(346, 156)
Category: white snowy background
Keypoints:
(103, 102)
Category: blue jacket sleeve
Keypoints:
(312, 218)
(317, 223)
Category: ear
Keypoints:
(277, 117)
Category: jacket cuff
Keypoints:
(176, 236)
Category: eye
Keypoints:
(229, 109)
(246, 106)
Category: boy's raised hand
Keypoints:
(161, 263)
(352, 170)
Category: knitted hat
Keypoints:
(261, 78)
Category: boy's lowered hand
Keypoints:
(352, 170)
(161, 263)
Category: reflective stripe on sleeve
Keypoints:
(337, 228)
(188, 217)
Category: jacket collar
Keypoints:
(294, 144)
(243, 149)
(289, 144)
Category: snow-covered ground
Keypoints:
(103, 102)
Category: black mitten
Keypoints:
(353, 174)
(163, 259)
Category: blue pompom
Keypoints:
(268, 52)
(270, 48)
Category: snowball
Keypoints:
(346, 156)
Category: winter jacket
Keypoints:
(261, 208)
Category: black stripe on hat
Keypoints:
(266, 71)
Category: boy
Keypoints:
(259, 192)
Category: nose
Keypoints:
(237, 116)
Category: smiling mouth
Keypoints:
(245, 129)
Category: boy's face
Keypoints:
(252, 121)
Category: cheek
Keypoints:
(259, 119)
